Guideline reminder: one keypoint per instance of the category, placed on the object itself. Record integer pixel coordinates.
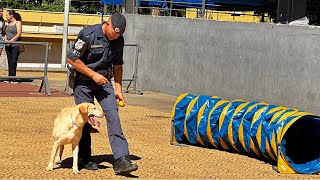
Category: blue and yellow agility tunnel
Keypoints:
(287, 136)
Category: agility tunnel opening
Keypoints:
(301, 146)
(287, 136)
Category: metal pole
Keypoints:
(203, 8)
(135, 68)
(46, 60)
(46, 80)
(136, 7)
(65, 33)
(171, 7)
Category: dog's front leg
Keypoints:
(75, 150)
(53, 155)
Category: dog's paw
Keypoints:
(49, 168)
(75, 171)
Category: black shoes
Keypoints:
(89, 165)
(123, 166)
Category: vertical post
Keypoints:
(136, 7)
(46, 80)
(135, 68)
(129, 6)
(65, 33)
(170, 7)
(282, 11)
(105, 9)
(118, 8)
(203, 9)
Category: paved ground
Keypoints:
(25, 140)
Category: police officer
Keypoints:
(97, 56)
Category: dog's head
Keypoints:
(89, 113)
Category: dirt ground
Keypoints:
(25, 144)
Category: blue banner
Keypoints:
(112, 2)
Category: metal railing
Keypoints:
(132, 80)
(135, 69)
(181, 6)
(44, 78)
(170, 8)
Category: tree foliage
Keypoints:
(50, 5)
(55, 6)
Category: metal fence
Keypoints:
(203, 10)
(133, 79)
(44, 77)
(130, 74)
(266, 11)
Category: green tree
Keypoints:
(46, 5)
(55, 6)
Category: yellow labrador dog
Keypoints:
(68, 130)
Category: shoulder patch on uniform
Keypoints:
(79, 44)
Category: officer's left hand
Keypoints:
(99, 79)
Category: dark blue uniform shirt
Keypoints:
(95, 50)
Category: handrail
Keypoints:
(44, 78)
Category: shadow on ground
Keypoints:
(99, 159)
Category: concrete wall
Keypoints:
(277, 64)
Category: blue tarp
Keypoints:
(193, 3)
(112, 2)
(210, 4)
(152, 3)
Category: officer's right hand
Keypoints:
(99, 79)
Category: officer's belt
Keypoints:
(102, 72)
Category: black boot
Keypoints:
(123, 165)
(89, 165)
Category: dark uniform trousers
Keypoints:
(85, 91)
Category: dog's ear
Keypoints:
(83, 109)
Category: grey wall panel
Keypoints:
(277, 64)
